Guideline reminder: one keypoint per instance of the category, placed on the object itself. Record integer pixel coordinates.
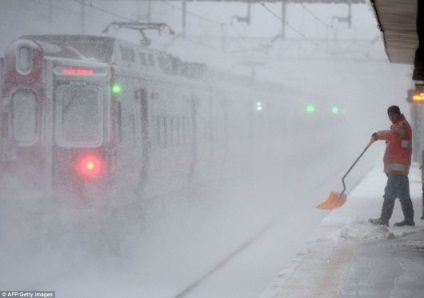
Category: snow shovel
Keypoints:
(336, 199)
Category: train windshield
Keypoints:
(79, 115)
(24, 108)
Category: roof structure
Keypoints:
(397, 21)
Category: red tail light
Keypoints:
(78, 71)
(90, 166)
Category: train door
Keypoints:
(47, 136)
(169, 141)
(130, 150)
(21, 116)
(202, 138)
(78, 119)
(218, 118)
(143, 136)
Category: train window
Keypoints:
(151, 60)
(131, 130)
(171, 128)
(184, 130)
(143, 59)
(24, 108)
(24, 59)
(157, 126)
(119, 116)
(165, 134)
(161, 131)
(79, 115)
(165, 64)
(127, 54)
(178, 131)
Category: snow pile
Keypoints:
(346, 240)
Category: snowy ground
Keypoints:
(201, 243)
(352, 258)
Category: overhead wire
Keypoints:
(105, 11)
(342, 74)
(189, 13)
(290, 26)
(206, 19)
(51, 4)
(314, 16)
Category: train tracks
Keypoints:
(255, 237)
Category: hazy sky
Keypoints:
(203, 18)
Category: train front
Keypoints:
(55, 117)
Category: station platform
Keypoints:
(352, 258)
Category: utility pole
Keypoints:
(50, 11)
(223, 38)
(283, 18)
(82, 16)
(139, 9)
(149, 11)
(184, 18)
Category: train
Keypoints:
(87, 116)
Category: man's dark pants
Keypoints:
(397, 187)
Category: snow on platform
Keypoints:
(352, 258)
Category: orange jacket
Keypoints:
(397, 157)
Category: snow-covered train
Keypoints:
(88, 115)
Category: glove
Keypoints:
(374, 136)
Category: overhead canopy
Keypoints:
(397, 20)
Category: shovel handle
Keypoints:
(359, 157)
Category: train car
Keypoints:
(94, 116)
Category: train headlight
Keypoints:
(89, 166)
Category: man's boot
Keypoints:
(408, 213)
(378, 222)
(386, 213)
(405, 222)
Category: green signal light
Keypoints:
(259, 105)
(116, 88)
(335, 110)
(310, 108)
